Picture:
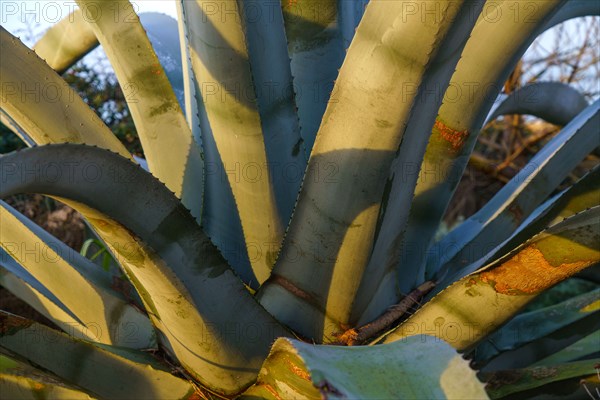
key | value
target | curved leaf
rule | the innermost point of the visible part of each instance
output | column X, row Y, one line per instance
column 475, row 85
column 478, row 304
column 66, row 42
column 158, row 119
column 574, row 9
column 531, row 353
column 509, row 207
column 91, row 306
column 420, row 367
column 72, row 38
column 555, row 102
column 504, row 383
column 104, row 371
column 187, row 287
column 22, row 381
column 583, row 348
column 582, row 195
column 343, row 197
column 43, row 105
column 534, row 334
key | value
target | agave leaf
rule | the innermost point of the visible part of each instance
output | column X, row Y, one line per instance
column 330, row 238
column 573, row 9
column 591, row 275
column 418, row 367
column 163, row 34
column 158, row 118
column 72, row 38
column 555, row 102
column 188, row 289
column 582, row 195
column 537, row 333
column 91, row 306
column 22, row 284
column 43, row 105
column 583, row 348
column 234, row 139
column 103, row 371
column 478, row 304
column 316, row 50
column 318, row 34
column 532, row 381
column 478, row 78
column 66, row 42
column 382, row 267
column 499, row 218
column 283, row 376
column 349, row 15
column 272, row 77
column 554, row 342
column 19, row 380
column 220, row 217
column 99, row 253
column 7, row 121
column 189, row 84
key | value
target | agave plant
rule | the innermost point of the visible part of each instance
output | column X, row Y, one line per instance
column 299, row 157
